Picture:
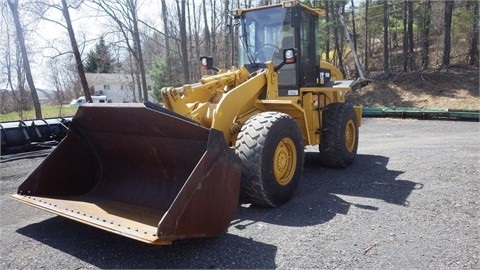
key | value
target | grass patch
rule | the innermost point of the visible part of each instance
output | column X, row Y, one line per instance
column 48, row 111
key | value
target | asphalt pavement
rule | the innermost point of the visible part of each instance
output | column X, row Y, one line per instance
column 410, row 201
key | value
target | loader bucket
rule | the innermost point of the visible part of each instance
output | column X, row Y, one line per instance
column 140, row 171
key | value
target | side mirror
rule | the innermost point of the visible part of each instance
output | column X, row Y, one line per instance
column 206, row 62
column 290, row 56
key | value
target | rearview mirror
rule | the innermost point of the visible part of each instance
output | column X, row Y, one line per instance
column 206, row 62
column 290, row 56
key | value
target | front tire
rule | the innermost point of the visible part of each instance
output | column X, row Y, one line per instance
column 271, row 149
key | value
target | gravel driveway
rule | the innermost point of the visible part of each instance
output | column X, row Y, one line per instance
column 411, row 200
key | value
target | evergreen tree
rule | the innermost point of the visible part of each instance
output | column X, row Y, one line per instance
column 158, row 73
column 99, row 59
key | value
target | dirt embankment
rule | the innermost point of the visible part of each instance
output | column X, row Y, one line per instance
column 452, row 88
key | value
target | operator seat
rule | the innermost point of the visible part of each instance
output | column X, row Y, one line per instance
column 287, row 42
column 286, row 75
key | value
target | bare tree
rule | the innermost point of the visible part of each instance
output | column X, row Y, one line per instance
column 366, row 55
column 447, row 43
column 196, row 29
column 76, row 52
column 13, row 4
column 327, row 20
column 473, row 55
column 183, row 38
column 213, row 24
column 385, row 38
column 208, row 38
column 64, row 7
column 337, row 34
column 354, row 28
column 60, row 75
column 411, row 56
column 425, row 32
column 226, row 41
column 125, row 14
column 11, row 66
column 168, row 59
column 407, row 45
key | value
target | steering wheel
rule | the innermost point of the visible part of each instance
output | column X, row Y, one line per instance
column 273, row 46
column 267, row 49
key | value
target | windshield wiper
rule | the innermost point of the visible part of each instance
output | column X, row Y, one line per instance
column 244, row 39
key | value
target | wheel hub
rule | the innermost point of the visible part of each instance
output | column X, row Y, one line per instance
column 285, row 161
column 350, row 136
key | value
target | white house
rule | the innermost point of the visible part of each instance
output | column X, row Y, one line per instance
column 117, row 87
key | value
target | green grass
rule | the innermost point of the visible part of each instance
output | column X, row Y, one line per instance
column 48, row 111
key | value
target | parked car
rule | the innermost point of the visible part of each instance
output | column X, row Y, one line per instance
column 96, row 99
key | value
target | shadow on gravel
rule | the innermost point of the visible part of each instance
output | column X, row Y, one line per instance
column 110, row 251
column 316, row 200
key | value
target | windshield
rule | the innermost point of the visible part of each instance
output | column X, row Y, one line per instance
column 264, row 35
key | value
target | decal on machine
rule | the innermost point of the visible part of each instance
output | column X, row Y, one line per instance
column 293, row 92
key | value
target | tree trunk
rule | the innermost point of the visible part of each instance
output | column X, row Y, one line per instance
column 366, row 35
column 425, row 36
column 193, row 73
column 327, row 21
column 13, row 4
column 208, row 39
column 385, row 38
column 183, row 39
column 136, row 39
column 76, row 52
column 133, row 74
column 168, row 58
column 226, row 42
column 473, row 55
column 411, row 56
column 358, row 67
column 213, row 24
column 196, row 33
column 447, row 45
column 354, row 34
column 354, row 27
column 405, row 37
column 136, row 72
column 336, row 38
column 23, row 103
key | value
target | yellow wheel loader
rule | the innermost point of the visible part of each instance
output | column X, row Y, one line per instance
column 159, row 174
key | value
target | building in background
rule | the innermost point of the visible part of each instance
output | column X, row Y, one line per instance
column 117, row 87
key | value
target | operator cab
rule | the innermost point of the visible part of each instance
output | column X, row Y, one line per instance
column 265, row 33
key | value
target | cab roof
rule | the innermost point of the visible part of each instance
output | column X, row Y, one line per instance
column 285, row 4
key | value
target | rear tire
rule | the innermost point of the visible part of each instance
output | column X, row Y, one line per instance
column 271, row 149
column 339, row 142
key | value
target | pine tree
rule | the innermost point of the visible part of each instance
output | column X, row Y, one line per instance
column 99, row 59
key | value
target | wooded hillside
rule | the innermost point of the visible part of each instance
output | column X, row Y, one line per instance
column 164, row 40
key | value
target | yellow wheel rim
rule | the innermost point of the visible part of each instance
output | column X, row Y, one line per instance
column 350, row 136
column 284, row 161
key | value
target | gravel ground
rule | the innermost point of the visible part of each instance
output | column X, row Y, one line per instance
column 410, row 201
